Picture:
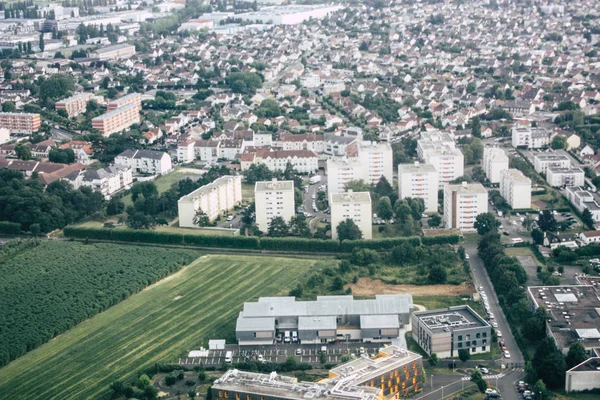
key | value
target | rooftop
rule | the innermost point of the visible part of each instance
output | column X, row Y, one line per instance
column 451, row 318
column 416, row 167
column 267, row 186
column 350, row 197
column 551, row 157
column 517, row 175
column 591, row 364
column 114, row 112
column 214, row 185
column 467, row 188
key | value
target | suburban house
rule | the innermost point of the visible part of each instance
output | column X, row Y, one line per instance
column 145, row 161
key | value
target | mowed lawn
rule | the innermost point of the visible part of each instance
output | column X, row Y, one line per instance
column 157, row 325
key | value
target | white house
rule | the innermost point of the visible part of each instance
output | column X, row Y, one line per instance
column 109, row 180
column 145, row 161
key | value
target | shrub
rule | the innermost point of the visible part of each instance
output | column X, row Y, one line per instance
column 12, row 228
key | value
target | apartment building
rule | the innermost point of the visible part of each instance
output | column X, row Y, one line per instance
column 273, row 199
column 438, row 149
column 303, row 161
column 515, row 188
column 377, row 160
column 109, row 180
column 217, row 197
column 557, row 177
column 185, row 149
column 207, row 150
column 419, row 181
column 340, row 171
column 447, row 331
column 117, row 120
column 133, row 98
column 494, row 162
column 145, row 161
column 118, row 51
column 462, row 204
column 583, row 199
column 542, row 161
column 26, row 123
column 351, row 205
column 74, row 105
column 530, row 138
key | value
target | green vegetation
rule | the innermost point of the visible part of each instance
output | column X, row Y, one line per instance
column 156, row 325
column 50, row 287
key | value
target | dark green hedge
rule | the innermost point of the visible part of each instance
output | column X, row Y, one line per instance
column 445, row 239
column 348, row 246
column 13, row 228
column 232, row 242
column 300, row 244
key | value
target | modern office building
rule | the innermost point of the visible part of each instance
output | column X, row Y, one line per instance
column 584, row 376
column 419, row 181
column 340, row 171
column 515, row 188
column 75, row 104
column 327, row 319
column 462, row 204
column 494, row 162
column 117, row 120
column 446, row 331
column 26, row 123
column 393, row 373
column 118, row 51
column 351, row 205
column 543, row 161
column 573, row 176
column 273, row 199
column 217, row 197
column 133, row 98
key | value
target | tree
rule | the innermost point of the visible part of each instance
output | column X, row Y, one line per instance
column 434, row 221
column 112, row 93
column 201, row 219
column 587, row 219
column 8, row 106
column 464, row 355
column 547, row 221
column 537, row 236
column 364, row 46
column 540, row 389
column 298, row 197
column 559, row 142
column 433, row 360
column 478, row 174
column 576, row 355
column 115, row 206
column 476, row 377
column 476, row 127
column 35, row 229
column 337, row 284
column 348, row 230
column 23, row 152
column 55, row 87
column 278, row 228
column 528, row 222
column 384, row 208
column 298, row 226
column 143, row 382
column 437, row 274
column 549, row 363
column 383, row 187
column 486, row 222
column 41, row 43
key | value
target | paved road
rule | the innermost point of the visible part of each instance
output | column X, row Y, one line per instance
column 442, row 386
column 481, row 278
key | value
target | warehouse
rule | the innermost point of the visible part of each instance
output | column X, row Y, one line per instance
column 327, row 319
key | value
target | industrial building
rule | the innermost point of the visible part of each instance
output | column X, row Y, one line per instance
column 351, row 205
column 393, row 373
column 118, row 51
column 446, row 331
column 273, row 199
column 419, row 181
column 221, row 195
column 288, row 15
column 327, row 319
column 494, row 162
column 573, row 313
column 515, row 188
column 462, row 204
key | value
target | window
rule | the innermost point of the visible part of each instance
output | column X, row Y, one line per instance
column 468, row 344
column 460, row 345
column 248, row 397
column 226, row 395
column 478, row 335
column 460, row 338
column 483, row 348
column 484, row 334
column 237, row 396
column 221, row 394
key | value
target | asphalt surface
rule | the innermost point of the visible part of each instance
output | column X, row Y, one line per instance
column 481, row 278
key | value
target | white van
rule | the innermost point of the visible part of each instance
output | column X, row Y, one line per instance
column 517, row 240
column 228, row 357
column 286, row 337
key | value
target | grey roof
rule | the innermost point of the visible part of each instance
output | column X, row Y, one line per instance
column 267, row 186
column 127, row 153
column 379, row 322
column 321, row 323
column 415, row 167
column 255, row 324
column 339, row 139
column 116, row 111
column 353, row 197
column 155, row 155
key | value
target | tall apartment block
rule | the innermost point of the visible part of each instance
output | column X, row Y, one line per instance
column 494, row 162
column 74, row 105
column 462, row 204
column 515, row 188
column 438, row 149
column 355, row 206
column 340, row 171
column 419, row 181
column 273, row 199
column 377, row 161
column 20, row 122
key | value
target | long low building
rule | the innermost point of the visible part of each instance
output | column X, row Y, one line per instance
column 572, row 176
column 20, row 122
column 118, row 51
column 329, row 318
column 395, row 372
column 117, row 120
column 584, row 376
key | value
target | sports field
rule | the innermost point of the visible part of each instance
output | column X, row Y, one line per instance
column 159, row 324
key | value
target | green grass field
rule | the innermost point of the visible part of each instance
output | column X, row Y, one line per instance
column 157, row 325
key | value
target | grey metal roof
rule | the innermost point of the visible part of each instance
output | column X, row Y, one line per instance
column 311, row 323
column 255, row 324
column 379, row 322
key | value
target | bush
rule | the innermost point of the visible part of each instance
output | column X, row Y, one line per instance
column 299, row 244
column 443, row 239
column 12, row 228
column 348, row 246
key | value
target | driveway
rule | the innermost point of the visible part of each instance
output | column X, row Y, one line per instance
column 481, row 278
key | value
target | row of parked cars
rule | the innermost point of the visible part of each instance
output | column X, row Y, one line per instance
column 491, row 318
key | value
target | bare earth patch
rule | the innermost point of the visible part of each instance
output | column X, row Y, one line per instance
column 177, row 297
column 371, row 287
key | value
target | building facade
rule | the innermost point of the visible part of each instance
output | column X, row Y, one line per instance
column 542, row 161
column 26, row 123
column 557, row 177
column 145, row 161
column 439, row 149
column 419, row 181
column 494, row 162
column 584, row 376
column 530, row 138
column 462, row 204
column 515, row 188
column 340, row 171
column 118, row 51
column 377, row 160
column 273, row 199
column 74, row 105
column 133, row 98
column 217, row 197
column 447, row 331
column 583, row 199
column 109, row 180
column 117, row 120
column 351, row 205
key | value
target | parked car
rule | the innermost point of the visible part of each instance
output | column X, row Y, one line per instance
column 498, row 333
column 298, row 352
column 506, row 354
column 230, row 218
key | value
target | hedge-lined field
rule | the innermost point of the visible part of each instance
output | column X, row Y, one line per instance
column 251, row 242
column 158, row 324
column 50, row 286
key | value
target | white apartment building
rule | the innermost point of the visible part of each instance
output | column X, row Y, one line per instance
column 273, row 199
column 340, row 171
column 515, row 188
column 438, row 149
column 583, row 199
column 221, row 195
column 4, row 135
column 494, row 162
column 304, row 161
column 419, row 181
column 108, row 181
column 530, row 138
column 355, row 206
column 462, row 204
column 542, row 161
column 185, row 149
column 75, row 104
column 145, row 161
column 557, row 177
column 377, row 160
column 207, row 150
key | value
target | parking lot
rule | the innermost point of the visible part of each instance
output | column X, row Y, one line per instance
column 304, row 353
